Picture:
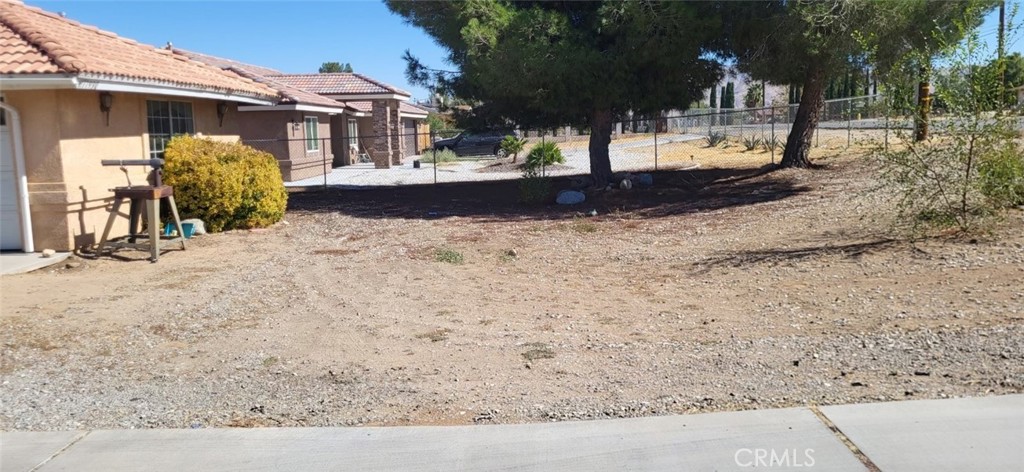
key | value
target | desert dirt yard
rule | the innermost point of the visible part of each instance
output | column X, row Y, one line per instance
column 714, row 290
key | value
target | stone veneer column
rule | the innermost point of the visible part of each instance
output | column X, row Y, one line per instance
column 381, row 153
column 397, row 143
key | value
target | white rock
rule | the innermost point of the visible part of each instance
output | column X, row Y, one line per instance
column 49, row 252
column 570, row 197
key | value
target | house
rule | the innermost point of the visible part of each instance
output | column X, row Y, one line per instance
column 353, row 115
column 73, row 95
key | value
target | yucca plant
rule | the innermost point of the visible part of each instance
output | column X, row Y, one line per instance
column 751, row 142
column 714, row 139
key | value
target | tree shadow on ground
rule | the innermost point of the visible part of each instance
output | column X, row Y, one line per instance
column 674, row 193
column 785, row 255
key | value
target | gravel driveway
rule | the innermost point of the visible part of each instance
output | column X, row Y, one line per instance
column 733, row 292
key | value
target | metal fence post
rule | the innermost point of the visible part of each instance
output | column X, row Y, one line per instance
column 656, row 145
column 887, row 112
column 544, row 157
column 323, row 157
column 433, row 150
column 772, row 143
column 849, row 123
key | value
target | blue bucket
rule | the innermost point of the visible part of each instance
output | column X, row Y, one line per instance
column 188, row 228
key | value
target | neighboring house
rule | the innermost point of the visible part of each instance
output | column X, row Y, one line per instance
column 359, row 117
column 74, row 95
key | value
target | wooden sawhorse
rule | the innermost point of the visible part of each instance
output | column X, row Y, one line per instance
column 138, row 196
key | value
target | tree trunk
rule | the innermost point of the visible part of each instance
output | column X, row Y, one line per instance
column 798, row 145
column 924, row 105
column 600, row 137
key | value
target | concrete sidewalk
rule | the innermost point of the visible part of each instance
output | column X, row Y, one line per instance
column 961, row 434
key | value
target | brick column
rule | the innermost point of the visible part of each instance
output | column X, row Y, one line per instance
column 382, row 150
column 397, row 143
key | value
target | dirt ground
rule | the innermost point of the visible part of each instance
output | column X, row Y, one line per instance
column 453, row 304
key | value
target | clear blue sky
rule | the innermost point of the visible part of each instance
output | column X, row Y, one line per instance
column 296, row 36
column 288, row 36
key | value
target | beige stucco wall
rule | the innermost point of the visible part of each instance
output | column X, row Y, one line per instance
column 283, row 134
column 66, row 136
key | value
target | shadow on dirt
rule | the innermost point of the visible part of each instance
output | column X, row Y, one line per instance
column 674, row 193
column 776, row 256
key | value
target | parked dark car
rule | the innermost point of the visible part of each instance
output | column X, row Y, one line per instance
column 475, row 143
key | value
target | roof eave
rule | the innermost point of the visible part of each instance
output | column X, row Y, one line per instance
column 111, row 84
column 105, row 84
column 294, row 107
column 366, row 96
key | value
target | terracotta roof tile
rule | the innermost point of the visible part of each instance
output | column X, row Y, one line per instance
column 364, row 106
column 33, row 41
column 287, row 93
column 338, row 83
column 406, row 107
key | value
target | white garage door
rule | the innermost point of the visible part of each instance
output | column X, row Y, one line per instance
column 10, row 226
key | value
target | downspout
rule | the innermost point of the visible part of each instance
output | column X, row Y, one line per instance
column 19, row 163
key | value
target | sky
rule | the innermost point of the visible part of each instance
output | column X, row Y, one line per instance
column 298, row 36
column 292, row 37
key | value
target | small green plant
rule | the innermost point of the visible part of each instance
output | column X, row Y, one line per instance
column 512, row 146
column 448, row 255
column 534, row 189
column 544, row 154
column 714, row 139
column 751, row 142
column 773, row 143
column 440, row 157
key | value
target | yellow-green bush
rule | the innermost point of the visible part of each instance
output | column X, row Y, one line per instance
column 227, row 185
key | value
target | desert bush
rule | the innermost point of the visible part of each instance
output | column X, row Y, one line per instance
column 970, row 167
column 512, row 146
column 544, row 154
column 227, row 185
column 714, row 139
column 1001, row 175
column 751, row 142
column 534, row 189
column 440, row 157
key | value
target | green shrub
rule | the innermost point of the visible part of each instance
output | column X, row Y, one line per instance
column 441, row 157
column 227, row 185
column 545, row 154
column 1001, row 174
column 714, row 139
column 750, row 143
column 450, row 256
column 534, row 189
column 512, row 146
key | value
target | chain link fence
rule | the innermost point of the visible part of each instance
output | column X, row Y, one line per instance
column 698, row 138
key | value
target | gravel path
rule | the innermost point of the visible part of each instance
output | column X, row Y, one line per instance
column 754, row 293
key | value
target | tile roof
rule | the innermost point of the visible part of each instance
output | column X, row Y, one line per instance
column 366, row 106
column 338, row 83
column 33, row 41
column 406, row 107
column 286, row 93
column 222, row 62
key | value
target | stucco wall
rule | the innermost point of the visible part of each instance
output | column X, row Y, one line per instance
column 283, row 134
column 66, row 136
